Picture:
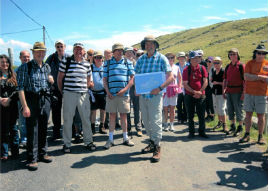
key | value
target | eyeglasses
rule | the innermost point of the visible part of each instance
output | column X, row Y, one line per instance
column 59, row 46
column 98, row 57
column 216, row 62
column 261, row 53
column 232, row 54
column 90, row 54
column 170, row 58
column 209, row 61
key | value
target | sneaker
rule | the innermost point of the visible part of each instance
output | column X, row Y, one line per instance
column 238, row 131
column 93, row 128
column 66, row 149
column 32, row 166
column 261, row 140
column 108, row 144
column 4, row 158
column 91, row 146
column 46, row 159
column 149, row 148
column 165, row 126
column 156, row 154
column 128, row 143
column 245, row 138
column 139, row 133
column 171, row 128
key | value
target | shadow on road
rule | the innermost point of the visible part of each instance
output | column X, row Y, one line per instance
column 116, row 159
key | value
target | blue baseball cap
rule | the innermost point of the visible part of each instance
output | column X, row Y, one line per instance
column 193, row 54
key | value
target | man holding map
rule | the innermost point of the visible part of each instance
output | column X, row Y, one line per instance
column 151, row 103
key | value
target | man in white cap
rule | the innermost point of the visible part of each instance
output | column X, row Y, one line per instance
column 151, row 104
column 56, row 100
column 76, row 72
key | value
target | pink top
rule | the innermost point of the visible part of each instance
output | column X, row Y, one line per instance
column 173, row 88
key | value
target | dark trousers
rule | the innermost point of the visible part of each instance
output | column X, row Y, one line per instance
column 136, row 107
column 56, row 112
column 192, row 103
column 181, row 108
column 36, row 126
column 9, row 130
column 209, row 101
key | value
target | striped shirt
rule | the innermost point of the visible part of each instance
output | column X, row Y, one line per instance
column 75, row 79
column 156, row 63
column 118, row 74
column 37, row 81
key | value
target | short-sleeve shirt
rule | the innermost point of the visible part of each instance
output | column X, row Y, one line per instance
column 156, row 63
column 75, row 79
column 258, row 88
column 97, row 75
column 196, row 77
column 233, row 78
column 118, row 74
column 35, row 80
column 217, row 89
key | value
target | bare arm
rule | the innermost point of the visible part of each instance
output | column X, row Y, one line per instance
column 26, row 111
column 90, row 84
column 130, row 83
column 105, row 84
column 60, row 78
column 179, row 79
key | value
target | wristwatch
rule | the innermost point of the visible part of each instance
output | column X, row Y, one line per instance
column 160, row 88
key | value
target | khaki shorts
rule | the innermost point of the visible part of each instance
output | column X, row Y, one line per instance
column 119, row 104
column 253, row 103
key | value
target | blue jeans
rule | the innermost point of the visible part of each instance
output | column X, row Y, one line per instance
column 22, row 125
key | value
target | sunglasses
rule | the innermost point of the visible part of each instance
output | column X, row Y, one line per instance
column 170, row 58
column 232, row 54
column 98, row 57
column 261, row 53
column 216, row 62
column 90, row 54
column 59, row 46
column 209, row 61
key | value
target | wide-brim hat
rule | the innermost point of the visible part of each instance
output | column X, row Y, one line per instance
column 39, row 46
column 149, row 38
column 98, row 53
column 261, row 48
column 117, row 46
column 181, row 54
column 217, row 59
column 170, row 53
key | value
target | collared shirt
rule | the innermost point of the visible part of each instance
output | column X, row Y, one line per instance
column 37, row 80
column 76, row 76
column 97, row 75
column 54, row 63
column 156, row 63
column 118, row 74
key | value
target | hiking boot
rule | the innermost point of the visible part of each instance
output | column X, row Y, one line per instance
column 232, row 129
column 32, row 166
column 149, row 148
column 139, row 133
column 261, row 140
column 91, row 146
column 93, row 128
column 46, row 159
column 156, row 154
column 128, row 143
column 238, row 131
column 66, row 149
column 217, row 126
column 108, row 144
column 245, row 138
column 102, row 129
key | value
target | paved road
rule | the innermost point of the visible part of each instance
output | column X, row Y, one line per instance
column 218, row 163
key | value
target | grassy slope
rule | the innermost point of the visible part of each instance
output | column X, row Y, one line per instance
column 217, row 39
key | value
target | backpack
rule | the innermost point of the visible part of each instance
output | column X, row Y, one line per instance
column 189, row 74
column 240, row 70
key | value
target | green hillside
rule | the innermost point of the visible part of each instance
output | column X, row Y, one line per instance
column 217, row 39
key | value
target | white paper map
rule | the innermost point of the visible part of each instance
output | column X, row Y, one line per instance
column 145, row 83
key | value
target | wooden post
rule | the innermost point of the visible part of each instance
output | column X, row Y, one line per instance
column 11, row 56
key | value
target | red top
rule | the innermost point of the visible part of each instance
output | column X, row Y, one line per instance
column 195, row 77
column 233, row 78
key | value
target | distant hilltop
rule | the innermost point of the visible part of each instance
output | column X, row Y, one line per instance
column 217, row 39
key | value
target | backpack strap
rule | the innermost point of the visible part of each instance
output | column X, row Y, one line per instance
column 189, row 73
column 29, row 67
column 241, row 70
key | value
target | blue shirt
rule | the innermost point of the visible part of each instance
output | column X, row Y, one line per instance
column 97, row 74
column 37, row 80
column 118, row 74
column 156, row 63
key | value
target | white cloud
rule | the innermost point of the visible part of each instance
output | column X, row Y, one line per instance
column 231, row 14
column 206, row 18
column 240, row 11
column 264, row 9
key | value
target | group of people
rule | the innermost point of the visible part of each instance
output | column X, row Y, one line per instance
column 87, row 81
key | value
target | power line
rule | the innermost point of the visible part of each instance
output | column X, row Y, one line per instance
column 20, row 31
column 49, row 37
column 25, row 13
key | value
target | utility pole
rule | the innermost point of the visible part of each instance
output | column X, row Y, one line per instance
column 44, row 33
column 11, row 55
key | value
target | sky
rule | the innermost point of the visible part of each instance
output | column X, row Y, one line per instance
column 98, row 24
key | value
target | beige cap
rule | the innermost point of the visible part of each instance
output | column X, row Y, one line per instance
column 117, row 46
column 39, row 46
column 180, row 54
